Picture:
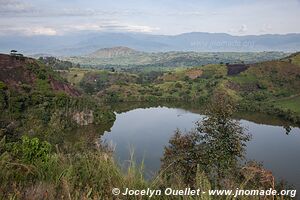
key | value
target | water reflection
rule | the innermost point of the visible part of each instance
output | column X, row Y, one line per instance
column 148, row 130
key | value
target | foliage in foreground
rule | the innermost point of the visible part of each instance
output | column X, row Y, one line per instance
column 215, row 148
column 31, row 169
column 206, row 159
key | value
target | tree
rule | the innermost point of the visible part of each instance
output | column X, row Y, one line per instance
column 181, row 157
column 13, row 52
column 215, row 146
column 223, row 139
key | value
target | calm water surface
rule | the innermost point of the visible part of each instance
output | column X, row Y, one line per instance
column 147, row 130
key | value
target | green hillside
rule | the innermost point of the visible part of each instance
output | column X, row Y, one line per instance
column 125, row 58
column 41, row 107
column 36, row 99
column 268, row 86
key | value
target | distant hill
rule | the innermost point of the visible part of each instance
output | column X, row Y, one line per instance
column 113, row 52
column 129, row 58
column 84, row 43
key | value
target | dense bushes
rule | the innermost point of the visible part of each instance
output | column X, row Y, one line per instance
column 33, row 169
column 28, row 164
column 268, row 108
column 46, row 112
column 215, row 146
column 55, row 63
column 3, row 96
column 30, row 150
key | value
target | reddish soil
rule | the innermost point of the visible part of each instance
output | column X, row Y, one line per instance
column 235, row 69
column 60, row 86
column 14, row 72
column 245, row 87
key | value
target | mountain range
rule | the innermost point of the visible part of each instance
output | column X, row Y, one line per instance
column 86, row 42
column 131, row 58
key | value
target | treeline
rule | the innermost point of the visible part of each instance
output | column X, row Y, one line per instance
column 47, row 113
column 57, row 64
column 36, row 99
column 266, row 107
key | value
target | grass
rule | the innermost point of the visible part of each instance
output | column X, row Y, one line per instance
column 75, row 75
column 244, row 78
column 296, row 60
column 82, row 175
column 89, row 174
column 292, row 104
column 214, row 71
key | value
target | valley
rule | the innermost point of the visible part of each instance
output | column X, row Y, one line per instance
column 86, row 112
column 124, row 58
column 139, row 100
column 269, row 86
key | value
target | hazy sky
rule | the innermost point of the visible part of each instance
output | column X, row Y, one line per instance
column 236, row 17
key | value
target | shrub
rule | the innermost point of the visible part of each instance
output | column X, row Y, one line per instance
column 31, row 150
column 178, row 85
column 2, row 86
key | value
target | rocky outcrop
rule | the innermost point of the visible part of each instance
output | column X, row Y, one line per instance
column 84, row 118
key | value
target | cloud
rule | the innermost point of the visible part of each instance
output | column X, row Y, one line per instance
column 171, row 16
column 13, row 7
column 41, row 31
column 110, row 26
column 240, row 30
column 138, row 28
column 266, row 28
column 195, row 13
column 243, row 29
column 92, row 12
column 27, row 31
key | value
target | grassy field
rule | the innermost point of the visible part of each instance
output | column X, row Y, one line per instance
column 75, row 75
column 292, row 104
column 294, row 58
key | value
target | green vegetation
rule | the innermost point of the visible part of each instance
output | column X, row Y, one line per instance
column 38, row 100
column 260, row 86
column 130, row 59
column 214, row 148
column 31, row 168
column 46, row 113
column 211, row 154
column 294, row 59
column 96, row 81
column 291, row 104
column 45, row 105
column 57, row 64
